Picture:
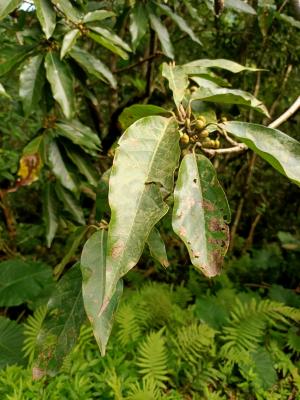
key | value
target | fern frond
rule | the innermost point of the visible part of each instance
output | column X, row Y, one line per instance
column 128, row 325
column 147, row 390
column 191, row 341
column 32, row 331
column 293, row 340
column 152, row 359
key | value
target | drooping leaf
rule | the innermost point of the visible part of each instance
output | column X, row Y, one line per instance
column 274, row 146
column 93, row 65
column 12, row 56
column 162, row 34
column 21, row 281
column 73, row 242
column 7, row 6
column 178, row 81
column 142, row 175
column 138, row 24
column 61, row 83
column 79, row 134
column 59, row 168
column 50, row 210
column 108, row 44
column 66, row 7
column 240, row 6
column 83, row 165
column 69, row 41
column 229, row 96
column 32, row 79
column 62, row 325
column 70, row 203
column 98, row 15
column 197, row 66
column 29, row 168
column 290, row 20
column 93, row 267
column 46, row 15
column 11, row 342
column 182, row 24
column 200, row 214
column 131, row 114
column 157, row 247
column 3, row 92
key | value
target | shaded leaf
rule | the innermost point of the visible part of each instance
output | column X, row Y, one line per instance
column 11, row 342
column 178, row 81
column 21, row 281
column 133, row 113
column 93, row 267
column 68, row 42
column 61, row 83
column 182, row 24
column 70, row 203
column 3, row 92
column 108, row 44
column 274, row 146
column 102, row 206
column 240, row 6
column 136, row 198
column 138, row 24
column 83, row 165
column 7, row 6
column 12, row 56
column 79, row 134
column 32, row 78
column 290, row 20
column 162, row 35
column 73, row 242
column 92, row 65
column 46, row 15
column 200, row 214
column 59, row 168
column 205, row 83
column 157, row 247
column 98, row 15
column 65, row 315
column 50, row 210
column 229, row 96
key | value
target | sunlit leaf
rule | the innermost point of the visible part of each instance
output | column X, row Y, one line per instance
column 197, row 66
column 7, row 6
column 138, row 24
column 157, row 247
column 98, row 15
column 178, row 81
column 93, row 267
column 66, row 7
column 46, row 15
column 201, row 214
column 162, row 34
column 240, row 6
column 131, row 114
column 277, row 148
column 69, row 41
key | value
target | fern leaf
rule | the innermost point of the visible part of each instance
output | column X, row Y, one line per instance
column 128, row 326
column 152, row 359
column 147, row 390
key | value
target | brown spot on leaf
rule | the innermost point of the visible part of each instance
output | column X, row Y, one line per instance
column 208, row 206
column 117, row 249
column 182, row 231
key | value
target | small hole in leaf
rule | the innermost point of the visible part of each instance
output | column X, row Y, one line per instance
column 195, row 180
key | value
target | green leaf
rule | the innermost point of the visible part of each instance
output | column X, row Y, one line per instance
column 229, row 96
column 178, row 81
column 83, row 165
column 138, row 24
column 162, row 35
column 21, row 281
column 70, row 203
column 93, row 269
column 240, row 6
column 197, row 66
column 274, row 146
column 61, row 328
column 46, row 15
column 149, row 149
column 32, row 79
column 11, row 342
column 66, row 7
column 108, row 44
column 112, row 37
column 157, row 247
column 3, row 92
column 12, row 56
column 50, row 210
column 59, row 168
column 7, row 6
column 205, row 83
column 102, row 206
column 73, row 242
column 182, row 24
column 61, row 83
column 98, row 15
column 290, row 20
column 79, row 134
column 200, row 214
column 131, row 114
column 68, row 42
column 93, row 66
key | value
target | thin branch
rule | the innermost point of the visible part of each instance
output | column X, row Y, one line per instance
column 138, row 63
column 212, row 152
column 286, row 115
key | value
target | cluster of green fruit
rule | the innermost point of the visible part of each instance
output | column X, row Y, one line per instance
column 196, row 131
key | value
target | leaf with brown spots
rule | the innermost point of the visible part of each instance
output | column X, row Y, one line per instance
column 201, row 214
